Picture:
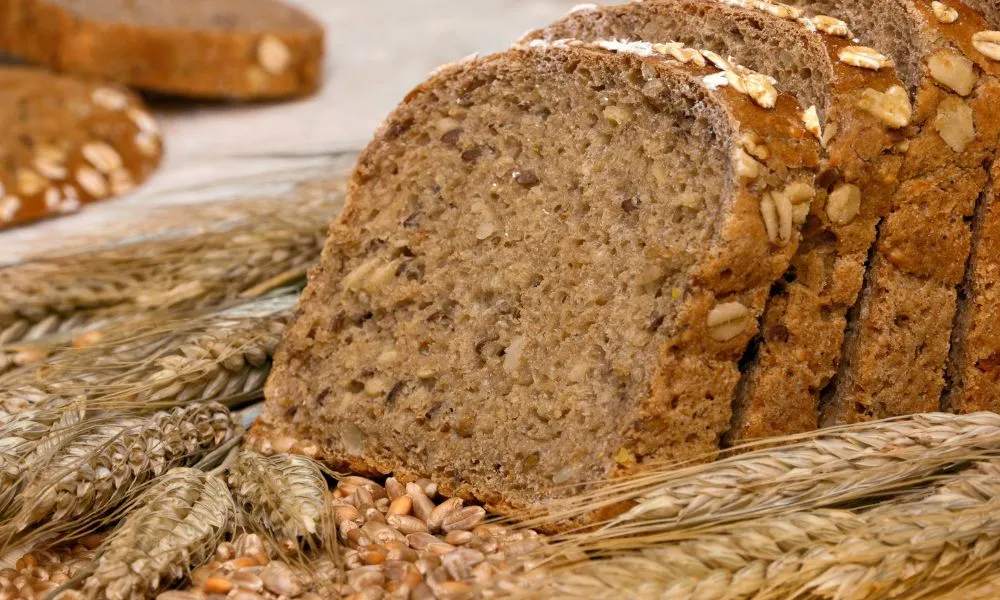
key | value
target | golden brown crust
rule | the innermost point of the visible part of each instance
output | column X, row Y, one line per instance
column 279, row 55
column 69, row 142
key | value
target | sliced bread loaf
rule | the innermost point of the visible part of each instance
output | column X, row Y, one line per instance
column 803, row 327
column 550, row 262
column 202, row 48
column 898, row 344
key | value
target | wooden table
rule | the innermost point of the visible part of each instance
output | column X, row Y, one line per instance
column 376, row 51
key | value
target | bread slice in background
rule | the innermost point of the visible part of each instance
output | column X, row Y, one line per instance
column 898, row 344
column 550, row 262
column 803, row 328
column 68, row 141
column 245, row 49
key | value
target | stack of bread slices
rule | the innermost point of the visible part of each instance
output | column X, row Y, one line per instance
column 651, row 230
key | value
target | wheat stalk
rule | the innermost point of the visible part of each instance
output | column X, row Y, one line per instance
column 223, row 356
column 107, row 462
column 909, row 548
column 824, row 468
column 46, row 300
column 172, row 526
column 284, row 496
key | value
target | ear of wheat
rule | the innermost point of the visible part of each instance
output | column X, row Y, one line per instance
column 284, row 496
column 175, row 524
column 823, row 468
column 222, row 356
column 106, row 463
column 45, row 301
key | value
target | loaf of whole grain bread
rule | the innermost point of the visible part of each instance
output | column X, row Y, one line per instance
column 550, row 263
column 203, row 48
column 898, row 341
column 859, row 114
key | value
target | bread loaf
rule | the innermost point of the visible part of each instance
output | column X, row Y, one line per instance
column 203, row 48
column 898, row 343
column 67, row 142
column 803, row 328
column 550, row 262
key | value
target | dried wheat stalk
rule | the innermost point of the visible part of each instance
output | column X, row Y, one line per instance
column 825, row 468
column 224, row 356
column 46, row 300
column 284, row 496
column 107, row 462
column 910, row 548
column 174, row 525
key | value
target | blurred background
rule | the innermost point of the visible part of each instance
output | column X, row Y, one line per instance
column 377, row 50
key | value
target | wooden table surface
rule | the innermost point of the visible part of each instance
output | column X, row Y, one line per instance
column 376, row 51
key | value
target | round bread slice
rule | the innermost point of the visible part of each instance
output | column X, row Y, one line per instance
column 243, row 49
column 898, row 345
column 803, row 328
column 549, row 264
column 66, row 142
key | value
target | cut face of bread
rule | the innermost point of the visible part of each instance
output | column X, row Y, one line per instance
column 200, row 48
column 803, row 327
column 550, row 261
column 898, row 344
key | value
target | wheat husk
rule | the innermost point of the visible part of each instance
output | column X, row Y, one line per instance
column 222, row 356
column 105, row 464
column 172, row 527
column 824, row 468
column 45, row 301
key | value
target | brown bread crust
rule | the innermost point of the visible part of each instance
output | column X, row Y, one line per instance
column 243, row 49
column 688, row 409
column 897, row 346
column 803, row 326
column 69, row 142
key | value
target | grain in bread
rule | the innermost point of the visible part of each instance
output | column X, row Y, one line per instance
column 245, row 49
column 803, row 326
column 550, row 263
column 898, row 342
column 67, row 142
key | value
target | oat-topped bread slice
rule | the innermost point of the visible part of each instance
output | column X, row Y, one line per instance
column 550, row 262
column 974, row 367
column 803, row 327
column 897, row 346
column 66, row 141
column 202, row 48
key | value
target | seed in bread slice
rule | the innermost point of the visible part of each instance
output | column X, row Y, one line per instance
column 550, row 263
column 897, row 345
column 803, row 327
column 67, row 142
column 243, row 49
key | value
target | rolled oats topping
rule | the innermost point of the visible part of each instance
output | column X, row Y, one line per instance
column 810, row 119
column 955, row 123
column 760, row 88
column 843, row 204
column 943, row 12
column 109, row 98
column 987, row 43
column 769, row 213
column 828, row 25
column 680, row 52
column 953, row 71
column 273, row 55
column 9, row 205
column 727, row 321
column 863, row 57
column 746, row 166
column 891, row 106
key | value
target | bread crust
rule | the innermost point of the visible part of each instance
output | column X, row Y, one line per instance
column 205, row 59
column 69, row 142
column 740, row 268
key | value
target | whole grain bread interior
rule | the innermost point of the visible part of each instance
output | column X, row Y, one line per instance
column 550, row 263
column 898, row 342
column 803, row 330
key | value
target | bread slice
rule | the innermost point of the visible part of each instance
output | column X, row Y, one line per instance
column 202, row 48
column 803, row 328
column 897, row 347
column 66, row 142
column 549, row 264
column 974, row 367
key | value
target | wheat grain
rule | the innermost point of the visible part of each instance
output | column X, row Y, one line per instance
column 174, row 525
column 824, row 468
column 284, row 496
column 223, row 356
column 906, row 548
column 108, row 462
